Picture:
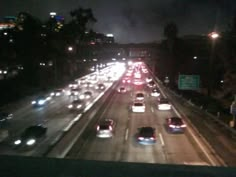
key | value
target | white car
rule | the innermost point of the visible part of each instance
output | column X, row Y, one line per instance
column 164, row 104
column 139, row 96
column 138, row 107
column 105, row 128
column 155, row 92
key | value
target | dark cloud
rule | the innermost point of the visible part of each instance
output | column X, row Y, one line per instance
column 137, row 20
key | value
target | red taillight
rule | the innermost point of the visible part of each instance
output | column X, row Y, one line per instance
column 98, row 128
column 110, row 127
column 152, row 138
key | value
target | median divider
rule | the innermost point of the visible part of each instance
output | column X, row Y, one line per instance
column 57, row 149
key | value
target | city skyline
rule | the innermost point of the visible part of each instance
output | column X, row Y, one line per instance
column 129, row 19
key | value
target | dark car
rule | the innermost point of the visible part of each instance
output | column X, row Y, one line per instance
column 4, row 116
column 86, row 95
column 122, row 89
column 151, row 84
column 146, row 135
column 41, row 101
column 58, row 92
column 76, row 105
column 30, row 136
column 175, row 125
column 100, row 87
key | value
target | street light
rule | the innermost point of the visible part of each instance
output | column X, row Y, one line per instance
column 70, row 48
column 213, row 37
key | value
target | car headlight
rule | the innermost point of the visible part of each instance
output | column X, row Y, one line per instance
column 33, row 102
column 31, row 142
column 48, row 98
column 41, row 102
column 81, row 96
column 52, row 94
column 79, row 106
column 76, row 93
column 17, row 142
column 70, row 106
column 58, row 94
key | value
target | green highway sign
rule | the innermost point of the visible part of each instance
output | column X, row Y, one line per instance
column 188, row 82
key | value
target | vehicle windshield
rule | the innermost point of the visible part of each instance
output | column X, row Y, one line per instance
column 138, row 104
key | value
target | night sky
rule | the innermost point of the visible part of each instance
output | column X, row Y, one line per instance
column 136, row 20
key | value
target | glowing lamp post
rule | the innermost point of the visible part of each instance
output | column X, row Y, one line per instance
column 213, row 36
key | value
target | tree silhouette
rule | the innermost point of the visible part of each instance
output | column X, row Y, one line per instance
column 76, row 28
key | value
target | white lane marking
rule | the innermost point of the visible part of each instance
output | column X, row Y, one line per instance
column 196, row 140
column 162, row 91
column 126, row 134
column 72, row 123
column 162, row 140
column 152, row 109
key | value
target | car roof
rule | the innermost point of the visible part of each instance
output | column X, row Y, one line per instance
column 176, row 119
column 148, row 131
column 138, row 102
column 106, row 121
column 77, row 101
column 139, row 93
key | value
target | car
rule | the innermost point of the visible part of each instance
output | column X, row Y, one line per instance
column 175, row 125
column 151, row 84
column 86, row 95
column 82, row 80
column 138, row 106
column 137, row 75
column 41, row 101
column 126, row 80
column 105, row 128
column 88, row 84
column 76, row 105
column 31, row 136
column 5, row 116
column 148, row 79
column 138, row 82
column 163, row 104
column 122, row 89
column 73, row 84
column 73, row 92
column 146, row 135
column 100, row 87
column 139, row 96
column 155, row 92
column 58, row 92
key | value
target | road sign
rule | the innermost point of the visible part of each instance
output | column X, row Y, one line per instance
column 188, row 82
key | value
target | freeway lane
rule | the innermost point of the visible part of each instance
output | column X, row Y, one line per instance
column 55, row 115
column 171, row 149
